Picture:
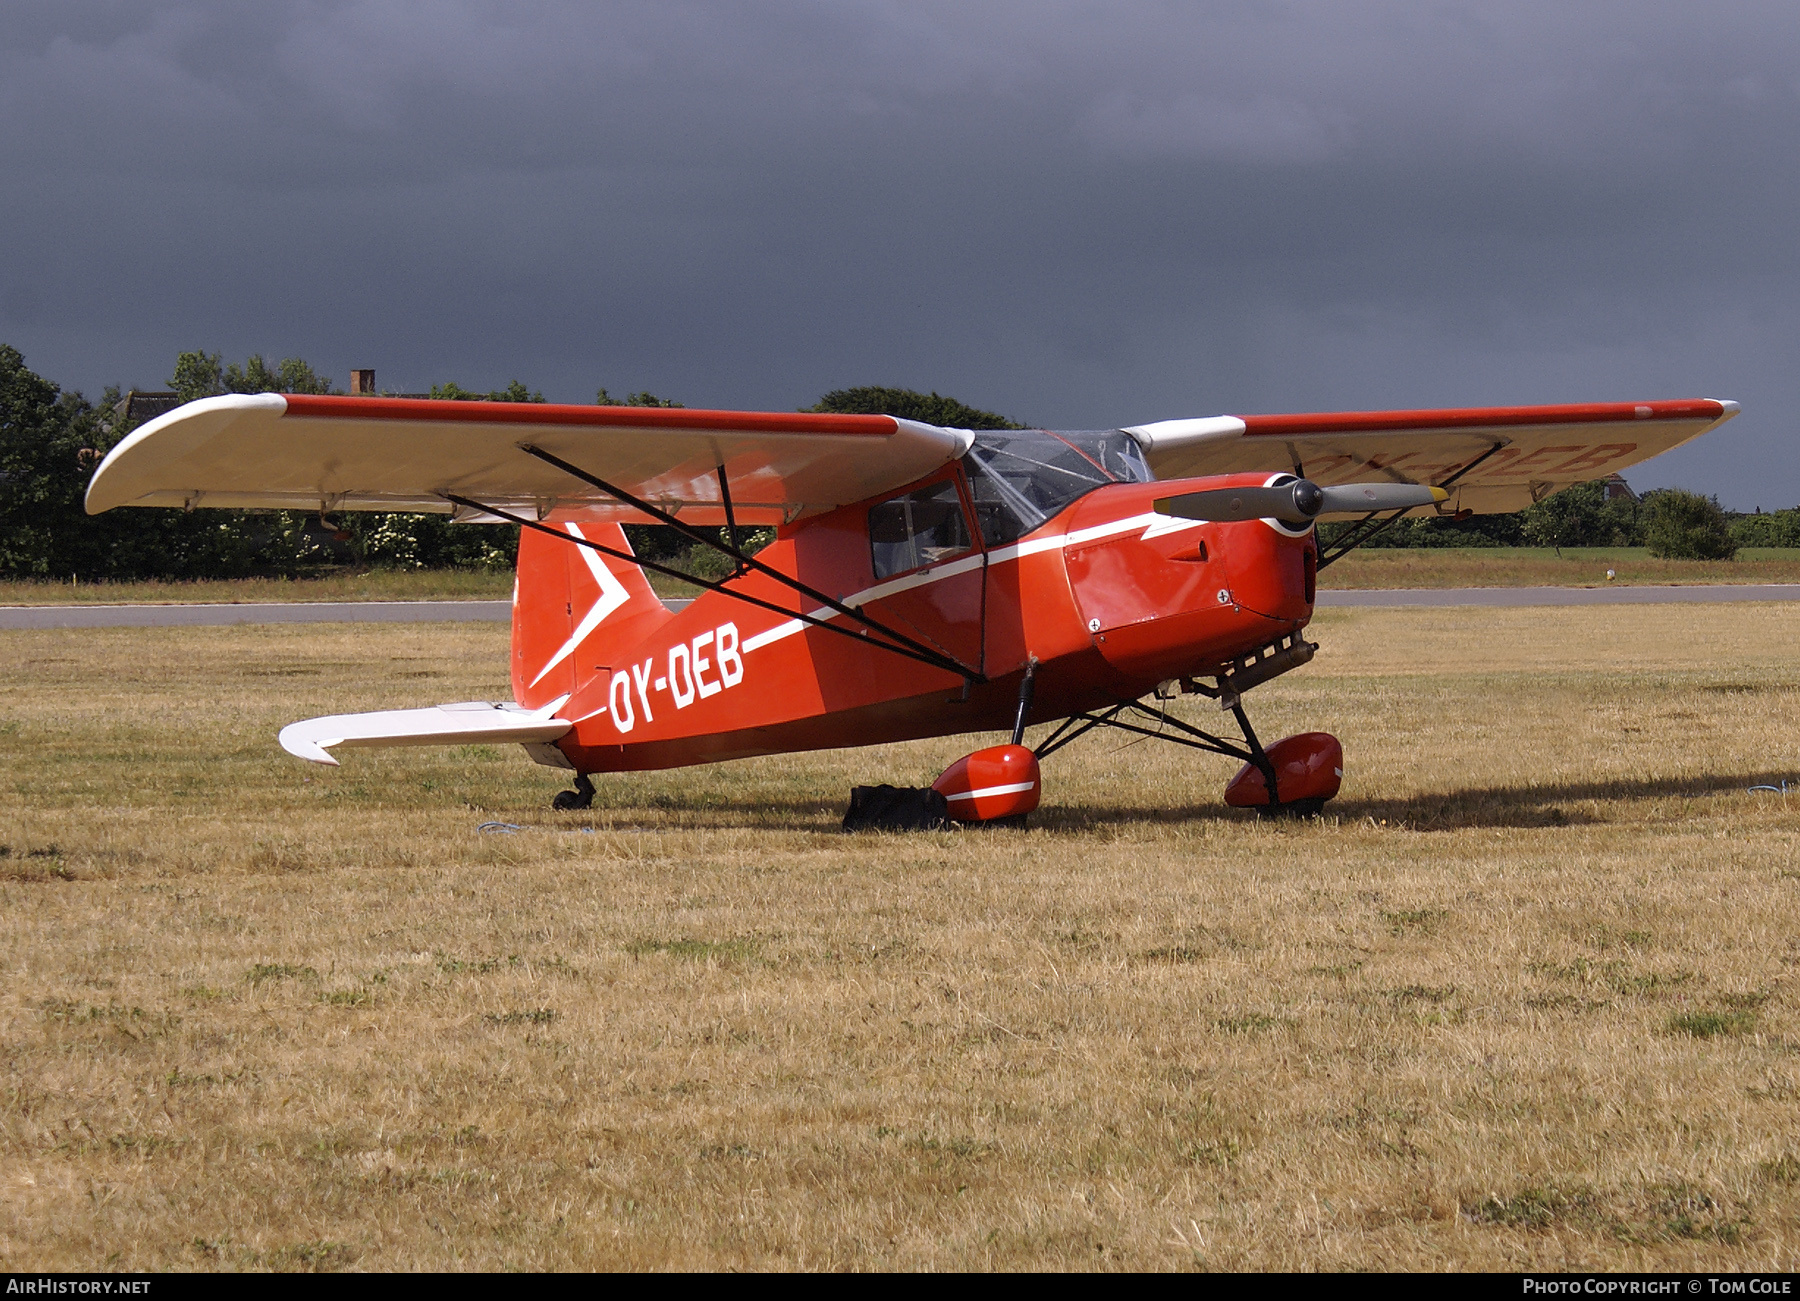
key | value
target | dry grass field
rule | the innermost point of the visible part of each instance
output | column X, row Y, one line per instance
column 1526, row 998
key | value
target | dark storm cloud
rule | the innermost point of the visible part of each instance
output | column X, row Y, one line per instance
column 1079, row 214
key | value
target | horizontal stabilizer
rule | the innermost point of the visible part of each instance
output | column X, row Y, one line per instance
column 461, row 724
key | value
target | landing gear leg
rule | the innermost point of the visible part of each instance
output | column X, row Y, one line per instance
column 582, row 797
column 1312, row 761
column 1026, row 688
column 1260, row 758
column 1309, row 807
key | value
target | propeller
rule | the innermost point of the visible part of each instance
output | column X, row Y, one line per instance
column 1298, row 501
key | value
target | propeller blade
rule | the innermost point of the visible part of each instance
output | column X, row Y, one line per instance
column 1295, row 501
column 1298, row 501
column 1365, row 497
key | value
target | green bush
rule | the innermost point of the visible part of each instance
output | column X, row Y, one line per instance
column 1778, row 528
column 1437, row 531
column 1578, row 516
column 1581, row 516
column 1681, row 525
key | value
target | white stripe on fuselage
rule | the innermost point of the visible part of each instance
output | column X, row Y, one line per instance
column 1153, row 524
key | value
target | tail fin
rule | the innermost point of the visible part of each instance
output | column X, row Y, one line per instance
column 566, row 595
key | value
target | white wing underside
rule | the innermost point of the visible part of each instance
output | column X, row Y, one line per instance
column 310, row 452
column 1496, row 459
column 469, row 723
column 315, row 453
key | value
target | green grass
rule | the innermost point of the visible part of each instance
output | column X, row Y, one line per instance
column 1428, row 567
column 371, row 585
column 1713, row 1025
column 695, row 950
column 1539, row 1206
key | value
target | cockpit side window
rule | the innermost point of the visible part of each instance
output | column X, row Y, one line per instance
column 920, row 528
column 1020, row 478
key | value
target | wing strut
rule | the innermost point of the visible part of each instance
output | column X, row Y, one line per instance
column 918, row 650
column 923, row 655
column 1251, row 752
column 730, row 516
column 1360, row 532
column 1078, row 725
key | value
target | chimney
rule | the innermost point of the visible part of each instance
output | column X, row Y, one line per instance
column 362, row 382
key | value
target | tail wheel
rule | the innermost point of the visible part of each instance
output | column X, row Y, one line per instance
column 582, row 797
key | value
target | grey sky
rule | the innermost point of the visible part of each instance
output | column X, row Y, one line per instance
column 1076, row 214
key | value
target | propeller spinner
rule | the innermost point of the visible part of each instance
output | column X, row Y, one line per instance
column 1298, row 501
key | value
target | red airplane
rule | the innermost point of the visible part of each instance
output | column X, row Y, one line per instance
column 922, row 581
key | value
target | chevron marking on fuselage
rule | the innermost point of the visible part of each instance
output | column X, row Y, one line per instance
column 612, row 596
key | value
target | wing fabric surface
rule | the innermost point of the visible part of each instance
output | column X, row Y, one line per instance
column 461, row 724
column 1508, row 457
column 305, row 452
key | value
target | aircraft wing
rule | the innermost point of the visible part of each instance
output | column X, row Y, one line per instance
column 305, row 452
column 1493, row 458
column 470, row 723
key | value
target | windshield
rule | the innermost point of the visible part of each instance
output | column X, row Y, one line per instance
column 1021, row 477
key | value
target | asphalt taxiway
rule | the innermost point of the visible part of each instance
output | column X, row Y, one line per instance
column 273, row 612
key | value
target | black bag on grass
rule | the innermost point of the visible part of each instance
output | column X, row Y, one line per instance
column 896, row 808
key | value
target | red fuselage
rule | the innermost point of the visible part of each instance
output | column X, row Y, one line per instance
column 1109, row 597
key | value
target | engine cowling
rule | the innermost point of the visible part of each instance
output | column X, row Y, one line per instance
column 1309, row 769
column 1001, row 781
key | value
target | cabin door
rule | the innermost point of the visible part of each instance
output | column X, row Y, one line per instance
column 928, row 568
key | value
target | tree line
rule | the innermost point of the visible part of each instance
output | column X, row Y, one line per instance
column 51, row 440
column 1671, row 522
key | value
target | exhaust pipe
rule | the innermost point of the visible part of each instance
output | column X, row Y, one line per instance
column 1258, row 667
